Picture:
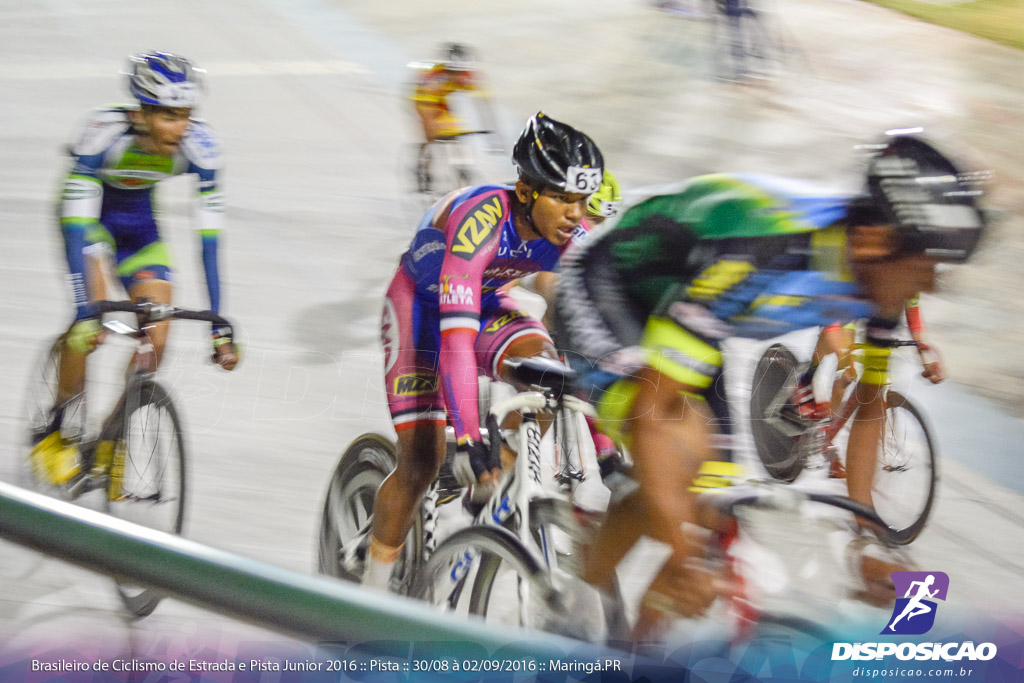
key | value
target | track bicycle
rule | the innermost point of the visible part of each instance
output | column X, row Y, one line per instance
column 518, row 558
column 438, row 167
column 138, row 457
column 903, row 490
column 520, row 547
column 791, row 529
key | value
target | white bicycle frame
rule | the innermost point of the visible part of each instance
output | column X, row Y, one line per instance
column 525, row 483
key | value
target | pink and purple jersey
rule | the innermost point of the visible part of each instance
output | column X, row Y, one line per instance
column 465, row 249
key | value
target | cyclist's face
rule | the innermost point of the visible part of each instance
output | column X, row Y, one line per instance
column 165, row 127
column 557, row 214
column 891, row 282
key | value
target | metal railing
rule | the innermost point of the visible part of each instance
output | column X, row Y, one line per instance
column 306, row 607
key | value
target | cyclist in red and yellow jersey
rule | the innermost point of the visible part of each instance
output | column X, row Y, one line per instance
column 457, row 72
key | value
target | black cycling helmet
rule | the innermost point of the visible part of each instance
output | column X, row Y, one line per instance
column 553, row 154
column 458, row 57
column 923, row 194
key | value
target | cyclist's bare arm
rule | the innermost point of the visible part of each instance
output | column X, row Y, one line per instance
column 933, row 368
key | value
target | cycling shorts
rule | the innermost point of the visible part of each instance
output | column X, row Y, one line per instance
column 143, row 259
column 411, row 336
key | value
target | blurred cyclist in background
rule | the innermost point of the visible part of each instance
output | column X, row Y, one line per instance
column 437, row 81
column 446, row 320
column 106, row 211
column 645, row 307
column 809, row 406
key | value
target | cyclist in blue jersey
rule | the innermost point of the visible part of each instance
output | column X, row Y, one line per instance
column 644, row 307
column 106, row 210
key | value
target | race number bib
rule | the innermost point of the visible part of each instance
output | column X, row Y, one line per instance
column 609, row 208
column 583, row 180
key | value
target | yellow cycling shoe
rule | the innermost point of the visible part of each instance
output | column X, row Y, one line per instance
column 103, row 457
column 54, row 460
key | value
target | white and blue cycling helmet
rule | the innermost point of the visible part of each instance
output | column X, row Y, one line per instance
column 163, row 79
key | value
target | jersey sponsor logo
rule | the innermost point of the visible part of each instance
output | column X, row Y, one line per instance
column 719, row 277
column 76, row 189
column 428, row 248
column 521, row 252
column 414, row 384
column 505, row 319
column 505, row 273
column 477, row 228
column 455, row 294
column 128, row 176
column 389, row 335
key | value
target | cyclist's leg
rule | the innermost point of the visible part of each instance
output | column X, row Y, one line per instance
column 667, row 428
column 417, row 409
column 509, row 332
column 867, row 429
column 147, row 274
column 71, row 368
column 52, row 452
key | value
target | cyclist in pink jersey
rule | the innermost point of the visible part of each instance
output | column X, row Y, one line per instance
column 445, row 320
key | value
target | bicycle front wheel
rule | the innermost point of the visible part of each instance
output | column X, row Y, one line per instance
column 504, row 591
column 147, row 480
column 906, row 474
column 462, row 574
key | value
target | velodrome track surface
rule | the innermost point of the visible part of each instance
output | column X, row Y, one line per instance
column 306, row 97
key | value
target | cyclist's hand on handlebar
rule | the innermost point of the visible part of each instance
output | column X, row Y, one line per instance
column 84, row 336
column 473, row 464
column 225, row 352
column 934, row 370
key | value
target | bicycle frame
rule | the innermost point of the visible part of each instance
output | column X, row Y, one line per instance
column 524, row 483
column 735, row 503
column 141, row 367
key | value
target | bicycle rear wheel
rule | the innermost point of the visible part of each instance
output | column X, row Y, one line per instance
column 906, row 473
column 40, row 399
column 147, row 481
column 781, row 454
column 348, row 512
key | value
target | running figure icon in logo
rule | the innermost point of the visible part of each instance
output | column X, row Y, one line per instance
column 916, row 588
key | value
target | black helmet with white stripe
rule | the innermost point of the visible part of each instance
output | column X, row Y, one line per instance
column 930, row 202
column 556, row 155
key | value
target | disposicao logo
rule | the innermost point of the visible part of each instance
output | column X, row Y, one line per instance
column 914, row 614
